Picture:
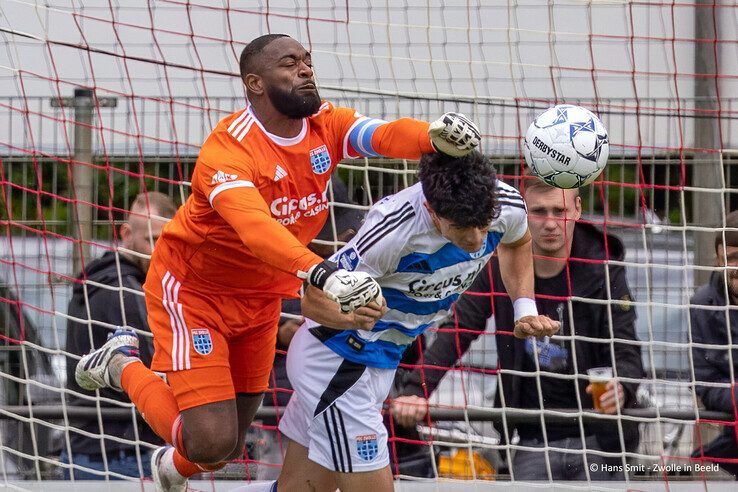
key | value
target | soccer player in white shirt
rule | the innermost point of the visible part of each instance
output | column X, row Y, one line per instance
column 424, row 246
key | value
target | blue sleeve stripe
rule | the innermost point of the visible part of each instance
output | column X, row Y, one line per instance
column 366, row 136
column 361, row 137
column 354, row 136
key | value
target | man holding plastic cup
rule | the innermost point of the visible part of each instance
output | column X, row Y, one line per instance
column 606, row 393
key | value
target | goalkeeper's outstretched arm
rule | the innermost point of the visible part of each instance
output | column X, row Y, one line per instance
column 453, row 134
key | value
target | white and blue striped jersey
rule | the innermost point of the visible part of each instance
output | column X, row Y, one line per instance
column 421, row 272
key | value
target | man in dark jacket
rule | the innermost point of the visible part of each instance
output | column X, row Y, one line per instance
column 718, row 327
column 564, row 270
column 107, row 295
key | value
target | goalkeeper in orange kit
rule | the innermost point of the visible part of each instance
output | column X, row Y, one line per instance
column 238, row 246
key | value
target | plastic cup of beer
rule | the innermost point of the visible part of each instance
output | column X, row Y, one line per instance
column 598, row 378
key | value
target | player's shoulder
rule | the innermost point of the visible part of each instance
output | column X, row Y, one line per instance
column 513, row 214
column 326, row 110
column 392, row 220
column 329, row 112
column 233, row 140
column 237, row 120
column 507, row 191
column 405, row 202
column 509, row 198
column 229, row 132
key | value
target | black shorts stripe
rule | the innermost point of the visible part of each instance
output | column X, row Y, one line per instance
column 338, row 439
column 330, row 439
column 512, row 204
column 381, row 229
column 402, row 219
column 323, row 333
column 346, row 376
column 345, row 440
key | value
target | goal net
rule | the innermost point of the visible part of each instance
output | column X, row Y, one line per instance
column 102, row 100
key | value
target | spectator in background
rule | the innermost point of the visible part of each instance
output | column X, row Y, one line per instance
column 718, row 327
column 563, row 251
column 105, row 298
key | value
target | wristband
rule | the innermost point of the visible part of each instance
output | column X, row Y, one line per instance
column 524, row 306
column 318, row 274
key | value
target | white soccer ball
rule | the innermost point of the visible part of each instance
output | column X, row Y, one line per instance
column 566, row 146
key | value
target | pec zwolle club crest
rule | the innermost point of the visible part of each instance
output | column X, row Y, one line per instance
column 201, row 341
column 320, row 159
column 366, row 447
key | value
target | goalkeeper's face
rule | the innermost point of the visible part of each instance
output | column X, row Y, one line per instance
column 289, row 79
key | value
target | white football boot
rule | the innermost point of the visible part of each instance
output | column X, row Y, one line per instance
column 94, row 369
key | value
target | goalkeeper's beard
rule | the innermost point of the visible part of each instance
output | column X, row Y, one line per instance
column 293, row 105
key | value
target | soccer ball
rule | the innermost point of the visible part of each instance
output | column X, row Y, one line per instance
column 566, row 146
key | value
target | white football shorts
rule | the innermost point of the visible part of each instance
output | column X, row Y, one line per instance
column 336, row 408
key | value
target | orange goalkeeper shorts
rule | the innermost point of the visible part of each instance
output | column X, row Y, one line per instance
column 210, row 346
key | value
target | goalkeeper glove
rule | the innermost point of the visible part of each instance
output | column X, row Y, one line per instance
column 351, row 290
column 454, row 134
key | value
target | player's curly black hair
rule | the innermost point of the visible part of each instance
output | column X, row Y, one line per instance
column 462, row 190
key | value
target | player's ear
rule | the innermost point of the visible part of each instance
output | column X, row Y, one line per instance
column 578, row 204
column 125, row 234
column 254, row 84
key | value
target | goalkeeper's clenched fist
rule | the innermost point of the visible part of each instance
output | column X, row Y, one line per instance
column 351, row 290
column 454, row 134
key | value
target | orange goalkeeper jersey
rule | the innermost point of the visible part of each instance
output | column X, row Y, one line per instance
column 258, row 199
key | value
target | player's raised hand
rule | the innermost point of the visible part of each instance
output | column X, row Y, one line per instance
column 454, row 134
column 351, row 290
column 536, row 326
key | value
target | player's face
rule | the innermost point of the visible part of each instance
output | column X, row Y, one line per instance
column 289, row 79
column 137, row 236
column 470, row 239
column 551, row 217
column 731, row 255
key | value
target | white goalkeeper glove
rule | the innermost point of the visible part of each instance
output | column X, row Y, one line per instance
column 454, row 134
column 351, row 290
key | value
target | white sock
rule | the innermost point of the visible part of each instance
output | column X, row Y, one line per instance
column 117, row 363
column 258, row 487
